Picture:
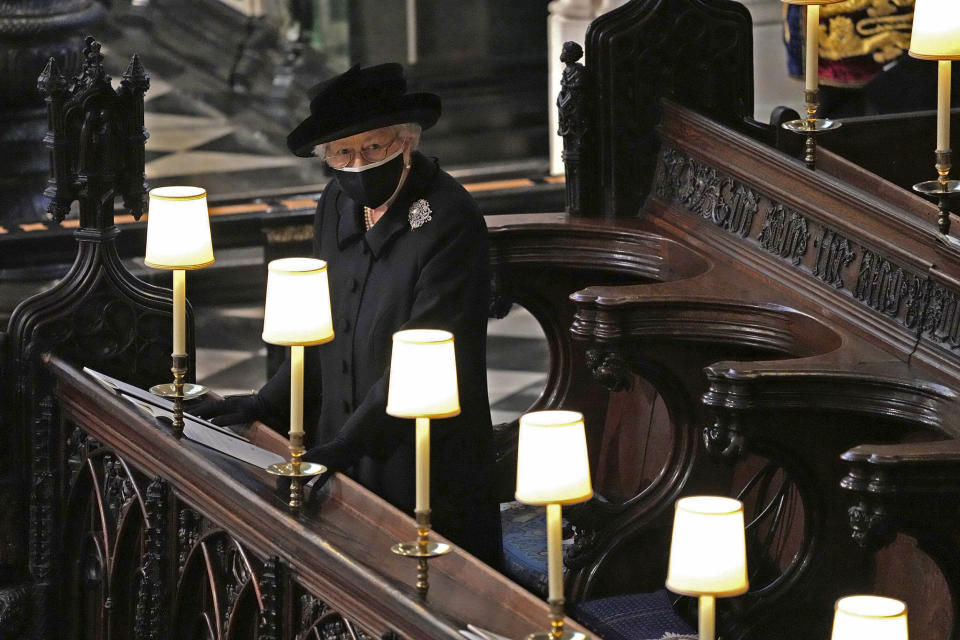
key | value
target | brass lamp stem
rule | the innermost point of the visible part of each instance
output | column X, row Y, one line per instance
column 423, row 539
column 556, row 618
column 179, row 369
column 944, row 164
column 423, row 550
column 297, row 470
column 812, row 101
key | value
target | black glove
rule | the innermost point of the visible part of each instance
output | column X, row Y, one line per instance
column 333, row 455
column 231, row 410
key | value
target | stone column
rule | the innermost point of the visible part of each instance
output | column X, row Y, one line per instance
column 31, row 32
column 772, row 86
column 568, row 21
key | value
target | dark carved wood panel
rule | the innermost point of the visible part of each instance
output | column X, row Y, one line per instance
column 139, row 562
column 697, row 52
column 227, row 559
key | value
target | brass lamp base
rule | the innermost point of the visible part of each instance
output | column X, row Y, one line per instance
column 422, row 550
column 178, row 390
column 817, row 125
column 942, row 188
column 168, row 390
column 296, row 470
column 937, row 188
column 414, row 550
column 557, row 631
column 810, row 127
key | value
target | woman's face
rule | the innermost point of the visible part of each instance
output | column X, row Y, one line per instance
column 363, row 148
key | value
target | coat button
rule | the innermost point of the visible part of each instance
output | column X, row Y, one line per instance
column 345, row 368
column 346, row 406
column 345, row 325
column 354, row 284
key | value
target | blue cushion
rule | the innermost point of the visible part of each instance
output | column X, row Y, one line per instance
column 633, row 616
column 525, row 545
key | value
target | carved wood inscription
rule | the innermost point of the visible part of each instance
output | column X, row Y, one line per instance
column 907, row 297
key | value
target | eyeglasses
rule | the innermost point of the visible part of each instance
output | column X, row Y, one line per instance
column 373, row 152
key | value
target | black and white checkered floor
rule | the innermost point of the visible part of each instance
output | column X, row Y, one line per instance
column 231, row 358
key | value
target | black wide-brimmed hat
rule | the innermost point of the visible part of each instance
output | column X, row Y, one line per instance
column 361, row 99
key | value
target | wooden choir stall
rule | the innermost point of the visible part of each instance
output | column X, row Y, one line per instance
column 729, row 322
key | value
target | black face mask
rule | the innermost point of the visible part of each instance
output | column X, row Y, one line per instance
column 374, row 184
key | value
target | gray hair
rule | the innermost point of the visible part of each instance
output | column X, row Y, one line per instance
column 407, row 130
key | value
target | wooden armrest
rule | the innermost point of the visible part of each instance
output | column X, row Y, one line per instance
column 264, row 437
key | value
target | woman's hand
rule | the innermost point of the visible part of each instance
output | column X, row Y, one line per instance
column 230, row 410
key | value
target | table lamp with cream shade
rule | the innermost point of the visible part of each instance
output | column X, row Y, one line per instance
column 708, row 556
column 178, row 238
column 297, row 314
column 423, row 385
column 873, row 617
column 552, row 470
column 936, row 36
column 811, row 125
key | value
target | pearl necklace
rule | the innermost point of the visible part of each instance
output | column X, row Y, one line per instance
column 368, row 217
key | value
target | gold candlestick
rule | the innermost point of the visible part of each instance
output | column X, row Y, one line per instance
column 297, row 314
column 811, row 126
column 553, row 469
column 423, row 385
column 178, row 239
column 942, row 188
column 296, row 470
column 935, row 35
column 423, row 550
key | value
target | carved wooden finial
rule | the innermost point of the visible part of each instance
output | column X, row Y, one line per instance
column 135, row 76
column 50, row 79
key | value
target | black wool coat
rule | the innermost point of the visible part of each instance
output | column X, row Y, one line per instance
column 394, row 277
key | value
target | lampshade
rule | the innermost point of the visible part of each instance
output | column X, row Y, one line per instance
column 552, row 463
column 178, row 229
column 423, row 375
column 871, row 617
column 936, row 30
column 297, row 309
column 708, row 551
